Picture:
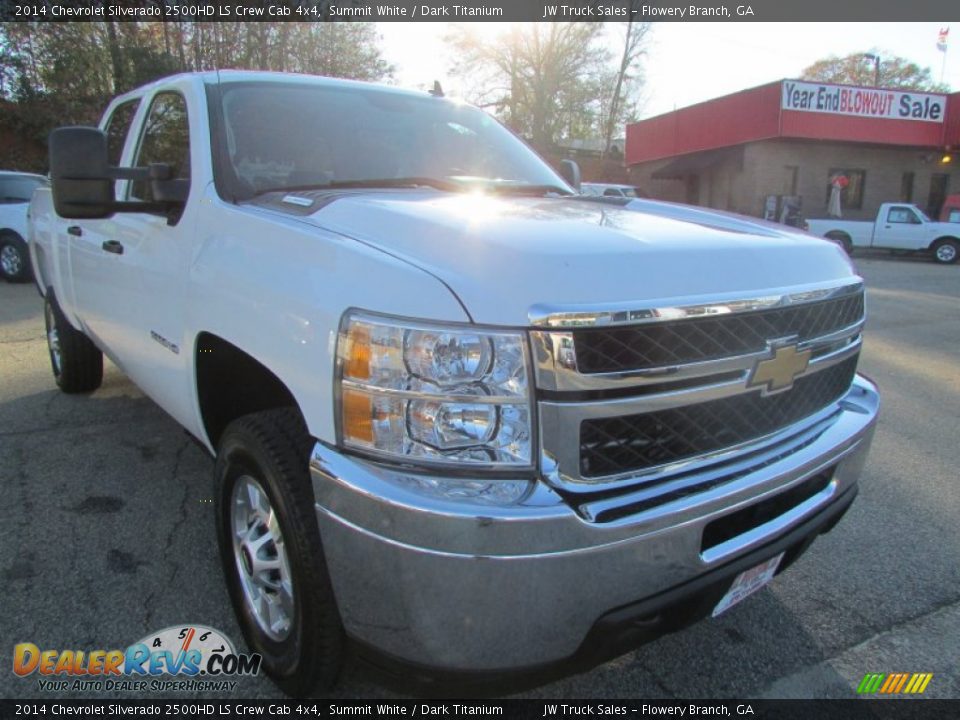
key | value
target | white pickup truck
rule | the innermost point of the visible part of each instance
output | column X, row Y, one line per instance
column 899, row 226
column 464, row 420
column 16, row 189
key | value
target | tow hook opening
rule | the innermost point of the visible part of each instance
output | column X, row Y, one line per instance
column 742, row 521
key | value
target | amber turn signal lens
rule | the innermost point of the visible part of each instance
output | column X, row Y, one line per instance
column 357, row 416
column 357, row 362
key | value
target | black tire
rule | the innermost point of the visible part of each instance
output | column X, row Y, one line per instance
column 273, row 448
column 845, row 242
column 14, row 258
column 946, row 251
column 76, row 362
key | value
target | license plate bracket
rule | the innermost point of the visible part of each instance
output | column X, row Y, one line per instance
column 747, row 583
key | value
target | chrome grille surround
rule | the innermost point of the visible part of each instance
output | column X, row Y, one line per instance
column 570, row 398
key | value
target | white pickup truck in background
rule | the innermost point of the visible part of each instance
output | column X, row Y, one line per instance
column 464, row 420
column 899, row 226
column 16, row 189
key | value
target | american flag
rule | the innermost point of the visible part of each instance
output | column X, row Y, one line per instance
column 942, row 39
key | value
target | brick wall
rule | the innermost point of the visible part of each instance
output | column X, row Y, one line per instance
column 802, row 167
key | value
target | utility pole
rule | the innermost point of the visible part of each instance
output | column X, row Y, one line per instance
column 942, row 47
column 876, row 67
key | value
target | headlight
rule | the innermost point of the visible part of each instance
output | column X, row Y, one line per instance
column 416, row 392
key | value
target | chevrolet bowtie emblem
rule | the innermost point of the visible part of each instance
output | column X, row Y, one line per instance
column 778, row 372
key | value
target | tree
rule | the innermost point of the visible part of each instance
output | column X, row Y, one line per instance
column 620, row 105
column 65, row 73
column 83, row 61
column 857, row 69
column 543, row 80
column 550, row 81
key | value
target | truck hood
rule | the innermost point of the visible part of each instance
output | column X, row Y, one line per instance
column 503, row 256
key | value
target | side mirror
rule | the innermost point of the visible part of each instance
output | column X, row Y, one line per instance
column 79, row 174
column 82, row 180
column 166, row 189
column 570, row 171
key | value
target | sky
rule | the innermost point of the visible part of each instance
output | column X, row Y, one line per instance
column 691, row 62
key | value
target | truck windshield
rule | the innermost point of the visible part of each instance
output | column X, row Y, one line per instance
column 286, row 136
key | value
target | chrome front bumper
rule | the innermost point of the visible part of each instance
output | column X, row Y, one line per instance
column 466, row 576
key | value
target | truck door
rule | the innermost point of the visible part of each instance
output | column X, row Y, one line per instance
column 901, row 228
column 93, row 287
column 155, row 251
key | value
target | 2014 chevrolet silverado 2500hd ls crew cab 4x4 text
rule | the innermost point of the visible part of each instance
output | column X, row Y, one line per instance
column 464, row 420
column 899, row 226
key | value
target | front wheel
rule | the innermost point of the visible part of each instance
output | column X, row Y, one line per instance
column 14, row 258
column 76, row 362
column 945, row 251
column 271, row 552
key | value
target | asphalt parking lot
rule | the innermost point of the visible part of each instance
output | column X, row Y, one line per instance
column 107, row 529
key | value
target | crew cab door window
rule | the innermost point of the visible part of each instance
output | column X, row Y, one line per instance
column 902, row 215
column 118, row 127
column 165, row 139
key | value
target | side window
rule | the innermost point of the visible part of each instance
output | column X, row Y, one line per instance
column 165, row 139
column 118, row 127
column 902, row 215
column 851, row 183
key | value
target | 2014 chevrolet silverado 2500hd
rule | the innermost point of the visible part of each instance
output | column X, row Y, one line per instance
column 463, row 419
column 899, row 226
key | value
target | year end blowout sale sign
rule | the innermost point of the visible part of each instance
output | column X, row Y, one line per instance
column 862, row 102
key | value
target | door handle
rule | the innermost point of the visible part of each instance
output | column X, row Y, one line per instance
column 75, row 230
column 886, row 227
column 112, row 246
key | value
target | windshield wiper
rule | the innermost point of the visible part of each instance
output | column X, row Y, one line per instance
column 372, row 184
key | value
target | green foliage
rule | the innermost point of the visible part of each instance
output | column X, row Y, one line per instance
column 65, row 73
column 550, row 81
column 857, row 69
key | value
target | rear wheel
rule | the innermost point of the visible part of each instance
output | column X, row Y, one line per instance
column 14, row 258
column 271, row 552
column 945, row 251
column 76, row 362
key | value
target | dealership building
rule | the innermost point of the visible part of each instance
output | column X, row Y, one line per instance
column 791, row 140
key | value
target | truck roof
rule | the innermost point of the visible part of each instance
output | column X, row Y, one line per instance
column 212, row 77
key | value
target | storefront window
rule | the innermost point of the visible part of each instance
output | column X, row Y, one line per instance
column 851, row 184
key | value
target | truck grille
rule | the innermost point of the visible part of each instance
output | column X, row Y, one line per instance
column 687, row 341
column 610, row 446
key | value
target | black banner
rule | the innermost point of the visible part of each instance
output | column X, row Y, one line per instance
column 478, row 10
column 867, row 709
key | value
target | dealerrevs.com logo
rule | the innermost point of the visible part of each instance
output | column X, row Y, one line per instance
column 200, row 657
